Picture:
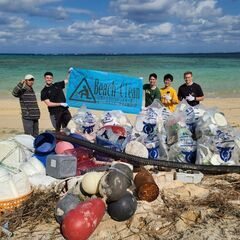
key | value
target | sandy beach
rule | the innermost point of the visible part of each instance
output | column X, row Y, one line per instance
column 11, row 123
column 210, row 208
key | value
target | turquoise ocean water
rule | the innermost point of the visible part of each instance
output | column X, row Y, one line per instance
column 218, row 74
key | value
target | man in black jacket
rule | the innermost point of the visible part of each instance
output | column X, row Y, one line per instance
column 29, row 106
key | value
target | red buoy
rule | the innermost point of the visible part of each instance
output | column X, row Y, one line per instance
column 80, row 222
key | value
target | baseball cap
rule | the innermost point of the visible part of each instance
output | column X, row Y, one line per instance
column 29, row 76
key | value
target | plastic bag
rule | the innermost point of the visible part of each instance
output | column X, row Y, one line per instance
column 85, row 121
column 185, row 148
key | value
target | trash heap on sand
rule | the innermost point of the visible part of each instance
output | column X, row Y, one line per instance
column 96, row 182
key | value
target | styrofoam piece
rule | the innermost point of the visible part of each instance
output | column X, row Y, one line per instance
column 61, row 166
column 195, row 177
column 163, row 178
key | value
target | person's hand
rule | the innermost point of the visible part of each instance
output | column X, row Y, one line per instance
column 70, row 69
column 23, row 81
column 190, row 98
column 64, row 104
column 168, row 97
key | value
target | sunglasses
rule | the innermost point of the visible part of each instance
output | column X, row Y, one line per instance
column 31, row 79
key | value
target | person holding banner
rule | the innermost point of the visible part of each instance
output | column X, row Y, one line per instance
column 53, row 96
column 151, row 90
column 169, row 96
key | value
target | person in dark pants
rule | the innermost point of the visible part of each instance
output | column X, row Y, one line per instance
column 53, row 96
column 29, row 106
column 151, row 90
column 190, row 91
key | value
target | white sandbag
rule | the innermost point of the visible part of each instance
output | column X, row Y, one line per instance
column 25, row 140
column 13, row 185
column 28, row 168
column 13, row 154
column 7, row 189
column 21, row 183
column 37, row 165
column 43, row 182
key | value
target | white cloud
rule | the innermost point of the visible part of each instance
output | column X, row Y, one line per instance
column 38, row 8
column 163, row 29
column 162, row 10
column 12, row 22
column 138, row 24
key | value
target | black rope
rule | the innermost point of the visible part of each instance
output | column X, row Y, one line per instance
column 145, row 161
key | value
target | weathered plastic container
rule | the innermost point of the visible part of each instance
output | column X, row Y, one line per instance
column 146, row 187
column 192, row 177
column 61, row 166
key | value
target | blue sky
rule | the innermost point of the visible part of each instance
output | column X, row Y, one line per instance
column 119, row 26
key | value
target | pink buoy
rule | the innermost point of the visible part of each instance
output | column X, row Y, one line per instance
column 63, row 146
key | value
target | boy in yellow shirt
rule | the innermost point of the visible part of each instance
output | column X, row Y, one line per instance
column 169, row 96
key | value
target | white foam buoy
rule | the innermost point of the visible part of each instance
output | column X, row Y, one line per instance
column 90, row 182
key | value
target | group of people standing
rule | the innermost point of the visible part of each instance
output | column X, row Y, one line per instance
column 52, row 95
column 168, row 96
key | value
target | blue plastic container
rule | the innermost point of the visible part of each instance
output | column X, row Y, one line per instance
column 44, row 143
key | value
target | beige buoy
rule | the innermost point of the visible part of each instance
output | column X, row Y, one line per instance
column 90, row 182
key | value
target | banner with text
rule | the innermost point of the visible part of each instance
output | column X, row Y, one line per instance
column 104, row 91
